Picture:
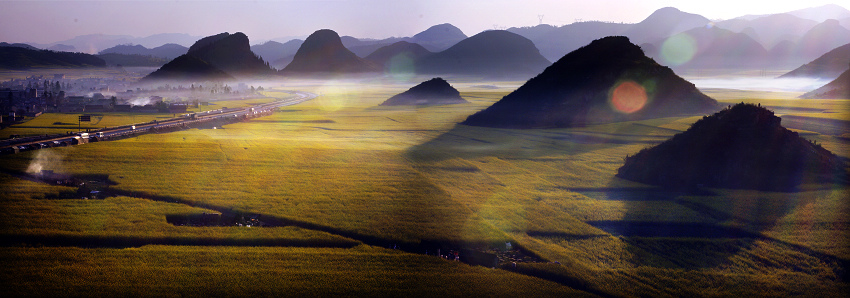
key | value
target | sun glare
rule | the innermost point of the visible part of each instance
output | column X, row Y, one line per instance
column 678, row 49
column 628, row 97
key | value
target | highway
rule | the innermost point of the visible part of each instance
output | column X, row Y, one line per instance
column 185, row 121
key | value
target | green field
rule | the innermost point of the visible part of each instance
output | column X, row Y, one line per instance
column 349, row 179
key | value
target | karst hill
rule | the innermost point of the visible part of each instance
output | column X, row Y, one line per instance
column 435, row 91
column 215, row 57
column 323, row 53
column 836, row 89
column 827, row 66
column 398, row 57
column 230, row 53
column 188, row 68
column 744, row 147
column 495, row 53
column 608, row 80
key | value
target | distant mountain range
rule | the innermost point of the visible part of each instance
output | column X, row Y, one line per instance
column 166, row 51
column 817, row 14
column 555, row 42
column 821, row 39
column 790, row 39
column 778, row 41
column 62, row 48
column 435, row 38
column 273, row 51
column 18, row 45
column 115, row 59
column 20, row 58
column 95, row 43
column 708, row 48
column 608, row 80
column 771, row 29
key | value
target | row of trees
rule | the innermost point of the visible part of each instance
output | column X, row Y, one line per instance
column 54, row 87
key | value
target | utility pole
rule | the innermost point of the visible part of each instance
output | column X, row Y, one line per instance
column 540, row 18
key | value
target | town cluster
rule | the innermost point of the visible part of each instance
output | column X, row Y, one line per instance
column 37, row 94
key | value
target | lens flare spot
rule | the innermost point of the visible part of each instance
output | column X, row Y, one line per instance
column 628, row 97
column 401, row 66
column 678, row 49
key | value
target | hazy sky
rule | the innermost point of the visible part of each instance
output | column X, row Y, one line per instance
column 52, row 21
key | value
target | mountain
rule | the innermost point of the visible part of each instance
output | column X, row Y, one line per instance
column 435, row 38
column 230, row 53
column 18, row 45
column 323, row 53
column 710, row 48
column 167, row 51
column 534, row 33
column 364, row 47
column 156, row 40
column 62, row 48
column 822, row 13
column 608, row 80
column 398, row 57
column 435, row 91
column 93, row 43
column 838, row 88
column 272, row 51
column 784, row 52
column 559, row 41
column 438, row 37
column 821, row 39
column 555, row 42
column 744, row 146
column 115, row 59
column 127, row 49
column 772, row 29
column 281, row 63
column 664, row 22
column 188, row 68
column 496, row 53
column 23, row 58
column 817, row 14
column 829, row 65
column 367, row 49
column 845, row 22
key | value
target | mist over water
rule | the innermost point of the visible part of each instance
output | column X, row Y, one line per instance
column 761, row 83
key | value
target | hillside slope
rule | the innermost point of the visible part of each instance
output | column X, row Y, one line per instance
column 608, row 80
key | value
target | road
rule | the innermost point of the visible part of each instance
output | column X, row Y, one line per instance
column 184, row 121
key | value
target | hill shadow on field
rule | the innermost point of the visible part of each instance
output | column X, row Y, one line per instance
column 716, row 229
